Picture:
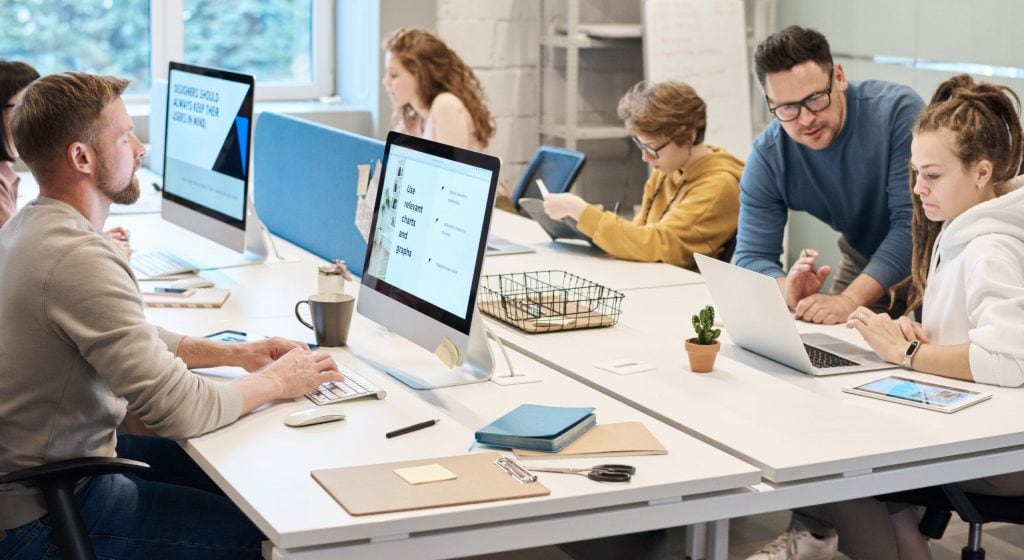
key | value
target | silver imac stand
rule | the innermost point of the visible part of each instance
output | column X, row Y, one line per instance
column 477, row 367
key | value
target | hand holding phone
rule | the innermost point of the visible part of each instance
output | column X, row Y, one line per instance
column 544, row 192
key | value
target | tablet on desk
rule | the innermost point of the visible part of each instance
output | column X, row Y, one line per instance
column 923, row 394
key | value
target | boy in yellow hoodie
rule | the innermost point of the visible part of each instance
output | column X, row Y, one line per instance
column 690, row 201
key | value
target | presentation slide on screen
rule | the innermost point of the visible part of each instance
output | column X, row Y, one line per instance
column 207, row 148
column 429, row 227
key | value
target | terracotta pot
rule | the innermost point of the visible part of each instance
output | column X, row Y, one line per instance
column 702, row 356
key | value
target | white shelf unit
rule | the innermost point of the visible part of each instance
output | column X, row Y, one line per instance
column 572, row 42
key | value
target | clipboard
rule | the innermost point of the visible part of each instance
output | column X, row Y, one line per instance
column 369, row 489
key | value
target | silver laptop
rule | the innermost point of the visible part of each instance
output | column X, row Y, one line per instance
column 758, row 320
column 501, row 246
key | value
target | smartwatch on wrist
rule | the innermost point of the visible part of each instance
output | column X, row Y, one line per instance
column 908, row 354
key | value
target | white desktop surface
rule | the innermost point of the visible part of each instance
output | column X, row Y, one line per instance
column 577, row 258
column 264, row 466
column 810, row 442
column 794, row 426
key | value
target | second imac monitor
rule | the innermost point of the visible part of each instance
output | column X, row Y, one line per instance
column 424, row 255
column 206, row 152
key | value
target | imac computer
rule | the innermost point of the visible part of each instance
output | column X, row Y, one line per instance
column 206, row 166
column 424, row 254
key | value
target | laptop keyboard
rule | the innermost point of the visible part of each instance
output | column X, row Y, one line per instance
column 353, row 387
column 158, row 264
column 822, row 359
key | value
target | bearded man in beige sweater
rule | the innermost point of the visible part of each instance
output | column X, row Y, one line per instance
column 77, row 354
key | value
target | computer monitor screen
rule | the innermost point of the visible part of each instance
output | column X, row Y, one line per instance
column 206, row 152
column 427, row 242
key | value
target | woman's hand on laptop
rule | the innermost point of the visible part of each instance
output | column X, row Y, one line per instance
column 888, row 338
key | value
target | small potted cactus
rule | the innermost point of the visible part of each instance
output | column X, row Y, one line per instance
column 703, row 349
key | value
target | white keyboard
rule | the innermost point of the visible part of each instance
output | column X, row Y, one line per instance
column 159, row 264
column 353, row 387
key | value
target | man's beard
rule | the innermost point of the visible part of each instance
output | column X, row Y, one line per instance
column 128, row 194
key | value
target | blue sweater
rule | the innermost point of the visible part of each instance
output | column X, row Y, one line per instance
column 858, row 184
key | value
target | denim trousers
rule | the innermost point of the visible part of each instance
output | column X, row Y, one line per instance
column 172, row 511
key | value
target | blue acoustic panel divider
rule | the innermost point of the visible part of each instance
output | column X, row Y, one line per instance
column 305, row 185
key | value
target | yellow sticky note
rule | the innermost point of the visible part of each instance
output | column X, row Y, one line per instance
column 425, row 473
column 447, row 352
column 364, row 178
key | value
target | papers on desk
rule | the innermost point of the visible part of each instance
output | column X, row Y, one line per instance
column 605, row 440
column 533, row 426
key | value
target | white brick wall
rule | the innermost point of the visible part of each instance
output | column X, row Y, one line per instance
column 500, row 39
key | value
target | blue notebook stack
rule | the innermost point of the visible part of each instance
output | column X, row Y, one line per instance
column 542, row 428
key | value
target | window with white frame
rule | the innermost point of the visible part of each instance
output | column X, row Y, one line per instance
column 286, row 44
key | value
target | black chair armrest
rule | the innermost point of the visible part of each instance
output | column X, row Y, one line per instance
column 74, row 469
column 57, row 482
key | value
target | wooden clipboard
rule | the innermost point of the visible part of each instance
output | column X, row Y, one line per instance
column 368, row 489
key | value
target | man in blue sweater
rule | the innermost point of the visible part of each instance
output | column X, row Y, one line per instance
column 837, row 150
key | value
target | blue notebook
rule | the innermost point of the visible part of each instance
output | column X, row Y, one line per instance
column 533, row 426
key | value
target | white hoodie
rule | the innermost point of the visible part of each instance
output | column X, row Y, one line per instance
column 975, row 288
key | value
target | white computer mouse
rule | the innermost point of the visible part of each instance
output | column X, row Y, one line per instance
column 311, row 416
column 193, row 283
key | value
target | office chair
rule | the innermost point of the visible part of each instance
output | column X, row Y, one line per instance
column 57, row 481
column 728, row 249
column 558, row 167
column 974, row 509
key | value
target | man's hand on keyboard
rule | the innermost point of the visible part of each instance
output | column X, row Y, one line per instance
column 256, row 355
column 293, row 375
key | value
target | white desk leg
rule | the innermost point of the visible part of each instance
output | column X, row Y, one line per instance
column 718, row 540
column 696, row 541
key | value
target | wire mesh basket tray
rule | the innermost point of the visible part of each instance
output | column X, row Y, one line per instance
column 548, row 300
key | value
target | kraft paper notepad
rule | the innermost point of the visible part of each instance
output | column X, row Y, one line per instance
column 605, row 440
column 203, row 297
column 368, row 489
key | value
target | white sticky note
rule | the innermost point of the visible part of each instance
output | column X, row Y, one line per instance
column 447, row 352
column 625, row 366
column 425, row 473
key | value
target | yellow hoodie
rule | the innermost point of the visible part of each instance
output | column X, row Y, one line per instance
column 683, row 213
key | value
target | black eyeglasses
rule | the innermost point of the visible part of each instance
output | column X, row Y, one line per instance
column 652, row 152
column 815, row 103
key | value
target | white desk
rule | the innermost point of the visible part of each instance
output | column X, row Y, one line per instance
column 264, row 466
column 578, row 258
column 810, row 442
column 813, row 442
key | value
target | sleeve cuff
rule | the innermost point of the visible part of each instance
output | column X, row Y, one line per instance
column 986, row 368
column 171, row 339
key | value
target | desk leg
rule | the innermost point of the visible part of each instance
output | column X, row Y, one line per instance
column 696, row 541
column 718, row 540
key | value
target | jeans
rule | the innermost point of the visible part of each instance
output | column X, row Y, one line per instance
column 172, row 511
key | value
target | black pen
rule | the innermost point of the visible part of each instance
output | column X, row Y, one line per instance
column 413, row 428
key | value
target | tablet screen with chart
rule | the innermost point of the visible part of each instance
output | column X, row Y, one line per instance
column 923, row 394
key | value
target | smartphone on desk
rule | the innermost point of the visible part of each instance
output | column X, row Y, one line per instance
column 166, row 291
column 233, row 337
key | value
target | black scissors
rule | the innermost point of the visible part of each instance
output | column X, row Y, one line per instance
column 600, row 473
